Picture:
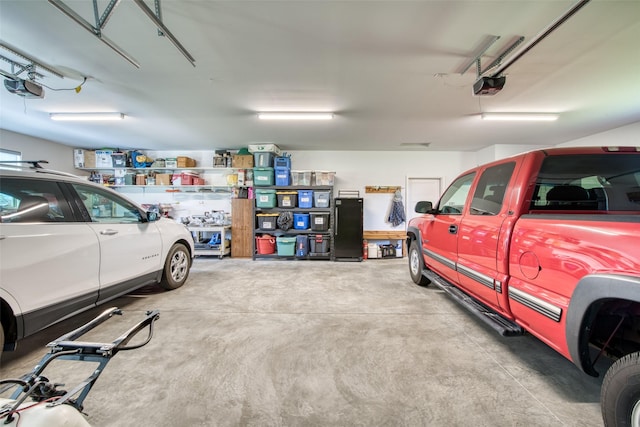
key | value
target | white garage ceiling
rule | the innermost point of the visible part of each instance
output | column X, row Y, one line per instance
column 390, row 70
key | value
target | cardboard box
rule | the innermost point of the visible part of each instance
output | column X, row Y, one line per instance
column 186, row 162
column 141, row 179
column 89, row 159
column 242, row 161
column 163, row 179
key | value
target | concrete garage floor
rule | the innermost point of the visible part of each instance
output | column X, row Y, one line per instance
column 318, row 343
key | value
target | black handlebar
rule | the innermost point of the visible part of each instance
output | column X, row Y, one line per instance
column 68, row 341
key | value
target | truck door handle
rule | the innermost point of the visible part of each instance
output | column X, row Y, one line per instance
column 453, row 229
column 108, row 232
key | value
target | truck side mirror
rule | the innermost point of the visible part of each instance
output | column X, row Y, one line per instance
column 424, row 207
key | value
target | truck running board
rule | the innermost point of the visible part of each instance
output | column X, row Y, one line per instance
column 504, row 327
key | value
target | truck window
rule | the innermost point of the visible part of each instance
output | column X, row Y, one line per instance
column 489, row 195
column 602, row 182
column 453, row 199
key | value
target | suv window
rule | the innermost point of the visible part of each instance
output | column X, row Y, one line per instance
column 32, row 200
column 107, row 207
column 489, row 194
column 603, row 182
column 452, row 201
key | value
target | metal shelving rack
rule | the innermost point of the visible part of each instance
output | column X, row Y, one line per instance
column 294, row 232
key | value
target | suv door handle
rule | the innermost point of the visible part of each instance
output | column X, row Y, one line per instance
column 453, row 229
column 108, row 232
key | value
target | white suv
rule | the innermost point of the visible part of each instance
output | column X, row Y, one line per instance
column 67, row 245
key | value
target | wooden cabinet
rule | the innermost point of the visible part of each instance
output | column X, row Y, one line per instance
column 242, row 228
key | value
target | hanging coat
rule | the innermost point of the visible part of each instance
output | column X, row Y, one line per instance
column 396, row 214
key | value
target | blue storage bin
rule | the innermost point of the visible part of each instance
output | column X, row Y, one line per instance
column 300, row 221
column 283, row 176
column 282, row 162
column 305, row 198
column 302, row 245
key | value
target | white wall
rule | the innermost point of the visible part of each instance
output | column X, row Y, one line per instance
column 354, row 169
column 60, row 156
column 623, row 136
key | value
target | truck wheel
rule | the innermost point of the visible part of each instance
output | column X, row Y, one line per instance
column 620, row 394
column 176, row 267
column 416, row 265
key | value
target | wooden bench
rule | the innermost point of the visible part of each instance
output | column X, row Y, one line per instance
column 390, row 235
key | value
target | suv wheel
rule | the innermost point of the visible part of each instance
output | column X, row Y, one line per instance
column 176, row 267
column 416, row 265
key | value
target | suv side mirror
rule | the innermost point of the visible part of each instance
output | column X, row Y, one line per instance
column 424, row 207
column 153, row 216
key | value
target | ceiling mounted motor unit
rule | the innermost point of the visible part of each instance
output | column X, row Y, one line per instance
column 25, row 88
column 488, row 85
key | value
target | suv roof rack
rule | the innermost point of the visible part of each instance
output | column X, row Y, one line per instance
column 35, row 165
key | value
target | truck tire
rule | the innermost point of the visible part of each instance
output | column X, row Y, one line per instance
column 176, row 267
column 416, row 265
column 620, row 393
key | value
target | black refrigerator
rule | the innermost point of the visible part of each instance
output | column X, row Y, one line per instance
column 347, row 240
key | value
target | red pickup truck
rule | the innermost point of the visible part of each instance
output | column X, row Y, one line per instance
column 547, row 242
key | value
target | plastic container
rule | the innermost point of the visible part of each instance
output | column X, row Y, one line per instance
column 264, row 147
column 262, row 176
column 300, row 177
column 286, row 245
column 265, row 198
column 263, row 160
column 305, row 198
column 287, row 199
column 300, row 221
column 302, row 245
column 283, row 176
column 319, row 244
column 265, row 245
column 282, row 162
column 267, row 221
column 323, row 177
column 319, row 221
column 321, row 199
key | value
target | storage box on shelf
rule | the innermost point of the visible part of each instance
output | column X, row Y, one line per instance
column 263, row 176
column 283, row 176
column 300, row 178
column 323, row 178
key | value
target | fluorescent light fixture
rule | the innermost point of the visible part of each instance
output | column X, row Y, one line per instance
column 535, row 117
column 86, row 116
column 295, row 116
